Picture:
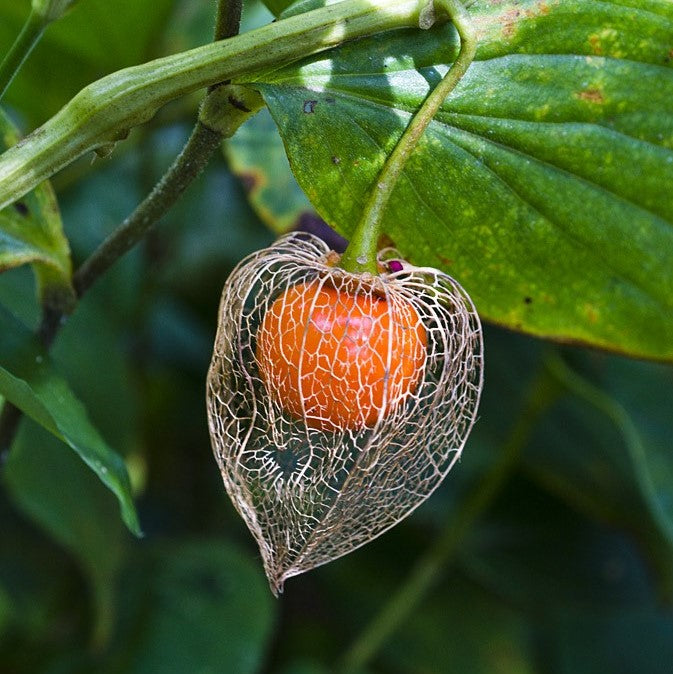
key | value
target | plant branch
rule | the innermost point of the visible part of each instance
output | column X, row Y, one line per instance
column 227, row 19
column 27, row 39
column 104, row 111
column 360, row 256
column 541, row 394
column 186, row 167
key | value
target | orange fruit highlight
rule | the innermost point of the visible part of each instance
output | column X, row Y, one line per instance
column 340, row 360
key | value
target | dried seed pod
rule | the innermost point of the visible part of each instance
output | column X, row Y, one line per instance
column 337, row 402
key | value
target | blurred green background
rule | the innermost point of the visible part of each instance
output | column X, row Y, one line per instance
column 568, row 569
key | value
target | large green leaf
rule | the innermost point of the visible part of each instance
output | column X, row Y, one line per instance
column 543, row 184
column 31, row 231
column 29, row 381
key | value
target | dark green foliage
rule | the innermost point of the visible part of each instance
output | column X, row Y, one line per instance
column 569, row 570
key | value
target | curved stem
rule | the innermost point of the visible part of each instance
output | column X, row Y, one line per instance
column 28, row 37
column 360, row 256
column 541, row 394
column 186, row 167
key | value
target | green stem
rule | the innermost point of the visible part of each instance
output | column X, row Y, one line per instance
column 186, row 167
column 541, row 394
column 360, row 256
column 28, row 37
column 103, row 111
column 227, row 19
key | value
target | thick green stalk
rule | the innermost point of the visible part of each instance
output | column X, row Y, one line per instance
column 360, row 256
column 103, row 112
column 28, row 37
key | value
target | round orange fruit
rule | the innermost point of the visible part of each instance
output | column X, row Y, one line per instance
column 340, row 360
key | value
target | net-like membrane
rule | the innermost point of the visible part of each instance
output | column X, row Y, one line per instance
column 337, row 402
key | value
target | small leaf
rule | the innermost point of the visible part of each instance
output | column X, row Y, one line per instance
column 257, row 156
column 31, row 231
column 29, row 381
column 543, row 183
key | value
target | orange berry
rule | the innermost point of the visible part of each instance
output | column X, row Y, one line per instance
column 338, row 359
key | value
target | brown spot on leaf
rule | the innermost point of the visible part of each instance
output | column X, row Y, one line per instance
column 591, row 96
column 596, row 46
column 591, row 313
column 336, row 160
column 538, row 10
column 528, row 300
column 509, row 20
